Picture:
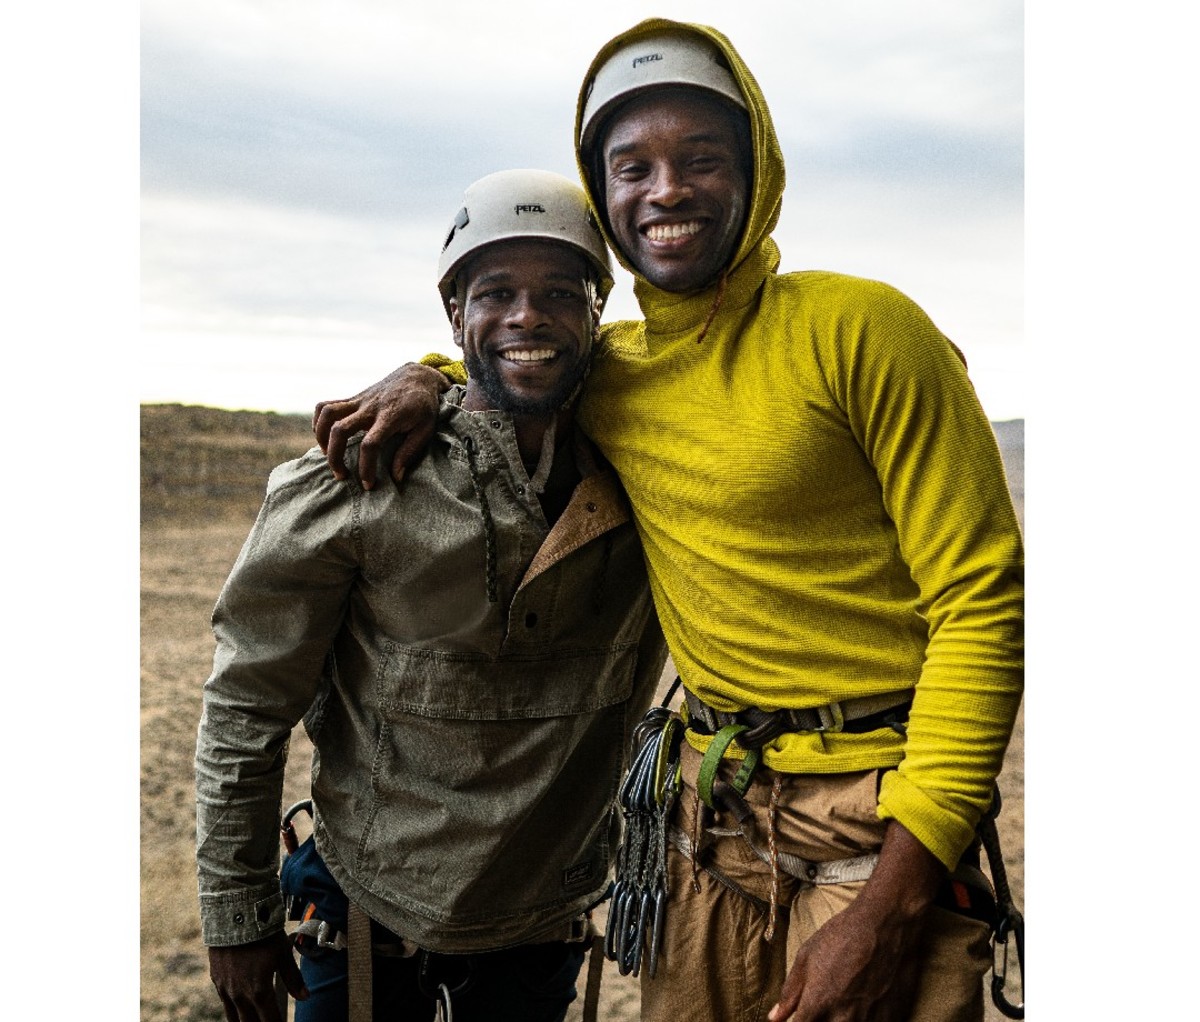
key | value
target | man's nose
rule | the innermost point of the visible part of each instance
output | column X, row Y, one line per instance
column 669, row 186
column 526, row 312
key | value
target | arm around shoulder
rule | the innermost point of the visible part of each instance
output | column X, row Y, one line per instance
column 403, row 402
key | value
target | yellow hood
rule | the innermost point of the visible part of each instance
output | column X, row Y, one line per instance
column 756, row 254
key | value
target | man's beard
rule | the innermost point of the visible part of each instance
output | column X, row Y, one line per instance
column 487, row 377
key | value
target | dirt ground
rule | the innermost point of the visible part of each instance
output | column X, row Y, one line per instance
column 203, row 474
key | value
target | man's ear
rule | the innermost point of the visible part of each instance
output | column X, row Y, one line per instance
column 456, row 323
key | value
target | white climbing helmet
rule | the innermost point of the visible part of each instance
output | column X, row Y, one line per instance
column 666, row 58
column 516, row 204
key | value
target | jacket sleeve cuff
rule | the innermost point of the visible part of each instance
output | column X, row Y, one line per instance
column 946, row 834
column 454, row 371
column 240, row 917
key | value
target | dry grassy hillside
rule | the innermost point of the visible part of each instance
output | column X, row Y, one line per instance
column 203, row 476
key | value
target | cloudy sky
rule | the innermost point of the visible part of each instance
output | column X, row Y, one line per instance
column 301, row 159
column 298, row 162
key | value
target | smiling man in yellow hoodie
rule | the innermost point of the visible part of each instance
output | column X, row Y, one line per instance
column 833, row 554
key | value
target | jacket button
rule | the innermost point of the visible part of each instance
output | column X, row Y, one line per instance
column 520, row 491
column 239, row 919
column 495, row 423
column 591, row 508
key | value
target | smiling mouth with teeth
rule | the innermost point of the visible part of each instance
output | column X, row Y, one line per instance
column 668, row 232
column 522, row 355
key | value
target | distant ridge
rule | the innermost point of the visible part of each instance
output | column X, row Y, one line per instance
column 199, row 462
column 202, row 462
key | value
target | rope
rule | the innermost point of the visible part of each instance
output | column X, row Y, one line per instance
column 773, row 848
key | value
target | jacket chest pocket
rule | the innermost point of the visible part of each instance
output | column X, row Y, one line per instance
column 464, row 686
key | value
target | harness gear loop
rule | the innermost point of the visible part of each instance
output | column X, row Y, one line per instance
column 712, row 761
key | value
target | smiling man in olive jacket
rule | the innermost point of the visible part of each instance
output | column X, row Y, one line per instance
column 469, row 653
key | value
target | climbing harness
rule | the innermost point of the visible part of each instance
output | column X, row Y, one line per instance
column 309, row 898
column 330, row 922
column 652, row 787
column 852, row 716
column 327, row 920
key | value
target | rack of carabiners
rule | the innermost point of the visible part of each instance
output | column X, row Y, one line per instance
column 647, row 796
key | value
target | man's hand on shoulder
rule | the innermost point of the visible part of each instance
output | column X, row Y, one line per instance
column 863, row 963
column 244, row 976
column 403, row 402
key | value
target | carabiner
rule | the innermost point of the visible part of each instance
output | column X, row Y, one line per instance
column 445, row 1008
column 290, row 841
column 1014, row 922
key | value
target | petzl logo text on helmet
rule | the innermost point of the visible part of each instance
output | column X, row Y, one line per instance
column 529, row 207
column 647, row 58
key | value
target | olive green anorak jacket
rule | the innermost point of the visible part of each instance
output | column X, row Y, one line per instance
column 469, row 674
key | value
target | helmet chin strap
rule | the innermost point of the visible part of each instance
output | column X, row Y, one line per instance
column 574, row 395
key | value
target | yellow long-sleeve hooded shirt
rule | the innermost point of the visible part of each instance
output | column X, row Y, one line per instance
column 823, row 508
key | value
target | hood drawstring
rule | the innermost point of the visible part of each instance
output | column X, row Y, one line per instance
column 489, row 527
column 712, row 313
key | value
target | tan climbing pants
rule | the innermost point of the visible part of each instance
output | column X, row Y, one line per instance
column 715, row 965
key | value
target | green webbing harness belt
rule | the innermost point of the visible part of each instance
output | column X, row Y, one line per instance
column 712, row 761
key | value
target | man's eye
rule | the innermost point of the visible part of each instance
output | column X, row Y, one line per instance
column 629, row 171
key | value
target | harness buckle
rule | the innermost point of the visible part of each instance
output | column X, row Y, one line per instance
column 832, row 718
column 329, row 937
